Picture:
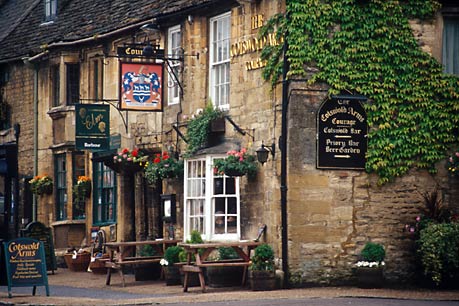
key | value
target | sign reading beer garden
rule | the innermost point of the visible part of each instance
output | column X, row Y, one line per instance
column 25, row 264
column 342, row 133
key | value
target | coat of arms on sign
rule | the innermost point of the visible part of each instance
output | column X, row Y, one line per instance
column 141, row 86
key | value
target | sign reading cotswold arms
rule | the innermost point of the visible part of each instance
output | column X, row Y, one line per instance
column 25, row 264
column 342, row 133
column 92, row 127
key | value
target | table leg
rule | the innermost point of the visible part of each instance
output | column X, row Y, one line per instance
column 202, row 281
column 109, row 276
column 185, row 281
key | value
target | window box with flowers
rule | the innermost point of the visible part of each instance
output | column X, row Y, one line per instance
column 82, row 189
column 163, row 166
column 369, row 270
column 41, row 184
column 237, row 163
column 128, row 161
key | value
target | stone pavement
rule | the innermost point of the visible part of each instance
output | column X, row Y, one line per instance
column 84, row 288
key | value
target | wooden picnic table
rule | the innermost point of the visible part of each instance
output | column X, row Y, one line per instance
column 201, row 252
column 121, row 254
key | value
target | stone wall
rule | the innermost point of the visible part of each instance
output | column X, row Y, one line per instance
column 333, row 213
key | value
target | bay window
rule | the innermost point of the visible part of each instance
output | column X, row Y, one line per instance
column 212, row 201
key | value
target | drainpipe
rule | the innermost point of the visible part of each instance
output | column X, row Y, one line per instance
column 35, row 136
column 283, row 149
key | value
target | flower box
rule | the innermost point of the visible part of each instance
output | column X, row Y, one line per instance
column 78, row 262
column 369, row 277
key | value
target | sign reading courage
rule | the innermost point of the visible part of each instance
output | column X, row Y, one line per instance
column 342, row 133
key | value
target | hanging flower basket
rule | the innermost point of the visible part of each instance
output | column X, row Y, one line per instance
column 238, row 163
column 163, row 166
column 41, row 184
column 82, row 189
column 128, row 162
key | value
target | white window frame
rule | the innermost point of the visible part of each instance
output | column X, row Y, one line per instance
column 219, row 62
column 200, row 187
column 174, row 46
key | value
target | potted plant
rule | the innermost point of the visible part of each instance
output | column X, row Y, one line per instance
column 163, row 166
column 262, row 275
column 41, row 184
column 369, row 269
column 82, row 189
column 128, row 161
column 237, row 163
column 149, row 271
column 199, row 129
column 170, row 267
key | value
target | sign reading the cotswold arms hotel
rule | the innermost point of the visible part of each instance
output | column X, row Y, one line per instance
column 25, row 264
column 342, row 133
column 92, row 127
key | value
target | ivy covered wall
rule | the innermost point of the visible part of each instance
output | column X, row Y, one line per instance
column 368, row 48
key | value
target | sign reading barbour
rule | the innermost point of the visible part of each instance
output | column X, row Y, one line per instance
column 342, row 133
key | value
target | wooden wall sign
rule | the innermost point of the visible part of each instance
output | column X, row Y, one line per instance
column 342, row 133
column 25, row 264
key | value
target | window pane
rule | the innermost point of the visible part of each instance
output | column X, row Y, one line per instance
column 61, row 187
column 79, row 206
column 105, row 194
column 451, row 45
column 73, row 83
column 220, row 60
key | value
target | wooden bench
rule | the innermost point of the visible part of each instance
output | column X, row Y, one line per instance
column 128, row 261
column 198, row 268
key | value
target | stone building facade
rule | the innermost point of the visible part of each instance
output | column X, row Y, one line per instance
column 330, row 214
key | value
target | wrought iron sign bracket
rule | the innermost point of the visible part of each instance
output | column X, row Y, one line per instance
column 239, row 129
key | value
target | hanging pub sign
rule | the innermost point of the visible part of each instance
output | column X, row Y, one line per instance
column 25, row 264
column 342, row 133
column 141, row 86
column 92, row 127
column 139, row 51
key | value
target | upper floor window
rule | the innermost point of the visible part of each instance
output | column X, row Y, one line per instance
column 450, row 48
column 174, row 51
column 50, row 10
column 72, row 83
column 220, row 29
column 212, row 202
column 96, row 86
column 56, row 87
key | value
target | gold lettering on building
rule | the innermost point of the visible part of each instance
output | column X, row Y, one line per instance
column 256, row 21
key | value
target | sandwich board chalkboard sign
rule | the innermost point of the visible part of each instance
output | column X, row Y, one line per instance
column 25, row 264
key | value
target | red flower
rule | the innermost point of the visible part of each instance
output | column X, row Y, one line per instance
column 135, row 153
column 157, row 160
column 125, row 151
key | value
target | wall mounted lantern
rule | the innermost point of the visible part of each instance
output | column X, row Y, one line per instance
column 263, row 151
column 151, row 29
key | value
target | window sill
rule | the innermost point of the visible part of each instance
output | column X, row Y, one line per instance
column 68, row 222
column 60, row 111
